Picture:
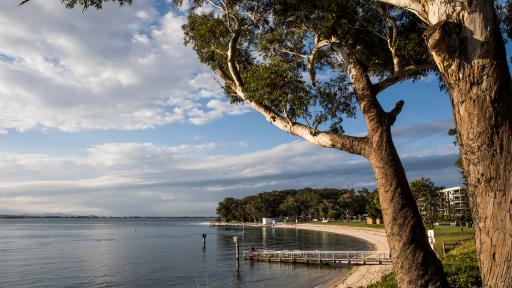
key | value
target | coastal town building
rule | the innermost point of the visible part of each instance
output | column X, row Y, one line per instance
column 456, row 201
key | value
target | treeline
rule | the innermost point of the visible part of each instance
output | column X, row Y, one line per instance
column 336, row 204
column 303, row 204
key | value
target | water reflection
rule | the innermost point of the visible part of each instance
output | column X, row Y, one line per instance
column 154, row 252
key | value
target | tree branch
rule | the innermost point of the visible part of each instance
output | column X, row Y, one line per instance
column 351, row 144
column 232, row 65
column 312, row 59
column 414, row 6
column 293, row 53
column 394, row 113
column 400, row 76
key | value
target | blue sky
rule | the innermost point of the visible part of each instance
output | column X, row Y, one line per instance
column 108, row 113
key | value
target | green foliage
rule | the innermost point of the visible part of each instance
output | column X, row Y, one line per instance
column 387, row 281
column 278, row 84
column 278, row 59
column 373, row 204
column 461, row 266
column 85, row 4
column 304, row 204
column 430, row 201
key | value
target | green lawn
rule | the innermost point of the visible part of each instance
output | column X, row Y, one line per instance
column 446, row 233
column 450, row 235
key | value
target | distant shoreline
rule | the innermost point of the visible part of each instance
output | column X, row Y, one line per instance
column 98, row 217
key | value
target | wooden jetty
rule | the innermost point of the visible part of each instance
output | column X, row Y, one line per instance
column 320, row 257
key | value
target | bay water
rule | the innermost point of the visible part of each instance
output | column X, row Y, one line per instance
column 155, row 252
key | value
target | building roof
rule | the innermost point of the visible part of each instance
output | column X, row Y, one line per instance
column 452, row 188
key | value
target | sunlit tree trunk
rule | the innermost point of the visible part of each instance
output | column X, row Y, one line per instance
column 467, row 46
column 414, row 262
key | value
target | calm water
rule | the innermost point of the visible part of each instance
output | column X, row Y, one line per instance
column 153, row 253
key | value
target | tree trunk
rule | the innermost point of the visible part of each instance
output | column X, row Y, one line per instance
column 414, row 262
column 469, row 52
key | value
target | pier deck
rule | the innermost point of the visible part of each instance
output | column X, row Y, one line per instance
column 320, row 257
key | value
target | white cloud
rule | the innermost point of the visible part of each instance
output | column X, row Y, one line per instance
column 148, row 179
column 119, row 68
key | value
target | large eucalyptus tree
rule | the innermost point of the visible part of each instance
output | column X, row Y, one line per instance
column 465, row 41
column 304, row 65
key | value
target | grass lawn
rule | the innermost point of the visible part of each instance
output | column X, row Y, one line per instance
column 450, row 235
column 445, row 233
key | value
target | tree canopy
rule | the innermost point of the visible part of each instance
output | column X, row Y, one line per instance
column 303, row 204
column 290, row 56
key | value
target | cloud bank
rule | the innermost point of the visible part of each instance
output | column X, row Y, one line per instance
column 148, row 179
column 119, row 68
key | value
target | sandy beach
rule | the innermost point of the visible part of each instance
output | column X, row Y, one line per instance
column 360, row 276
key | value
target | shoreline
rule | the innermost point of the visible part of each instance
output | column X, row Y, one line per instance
column 360, row 275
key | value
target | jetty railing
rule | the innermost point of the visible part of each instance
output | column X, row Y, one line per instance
column 319, row 257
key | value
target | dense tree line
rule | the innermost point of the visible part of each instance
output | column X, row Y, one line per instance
column 335, row 204
column 303, row 204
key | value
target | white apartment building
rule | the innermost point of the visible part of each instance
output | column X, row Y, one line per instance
column 457, row 198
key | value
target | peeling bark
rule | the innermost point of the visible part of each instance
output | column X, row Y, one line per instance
column 473, row 65
column 467, row 46
column 469, row 52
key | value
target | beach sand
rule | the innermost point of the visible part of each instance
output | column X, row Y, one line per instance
column 359, row 276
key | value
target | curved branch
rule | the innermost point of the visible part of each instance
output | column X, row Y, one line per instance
column 312, row 59
column 351, row 144
column 415, row 6
column 400, row 76
column 232, row 65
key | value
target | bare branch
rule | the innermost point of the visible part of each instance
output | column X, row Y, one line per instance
column 392, row 42
column 415, row 6
column 293, row 53
column 215, row 5
column 351, row 144
column 232, row 65
column 312, row 58
column 394, row 113
column 400, row 76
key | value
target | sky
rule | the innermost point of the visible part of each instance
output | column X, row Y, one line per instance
column 109, row 113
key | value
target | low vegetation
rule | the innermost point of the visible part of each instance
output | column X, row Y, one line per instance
column 460, row 266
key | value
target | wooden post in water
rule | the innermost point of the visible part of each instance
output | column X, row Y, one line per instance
column 237, row 253
column 204, row 240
